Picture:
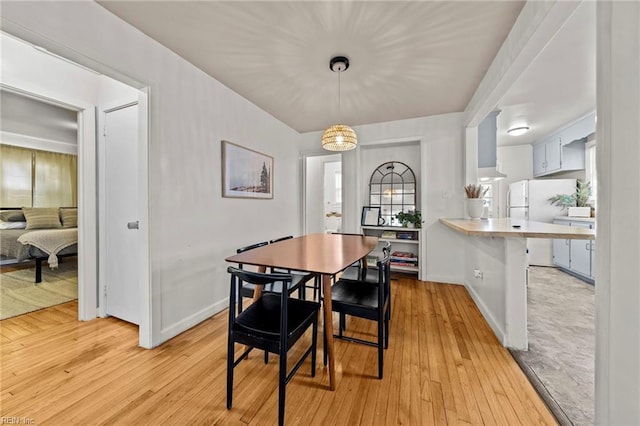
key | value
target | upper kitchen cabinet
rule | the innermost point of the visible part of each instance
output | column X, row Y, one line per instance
column 547, row 156
column 563, row 150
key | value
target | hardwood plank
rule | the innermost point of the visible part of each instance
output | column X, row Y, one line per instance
column 443, row 366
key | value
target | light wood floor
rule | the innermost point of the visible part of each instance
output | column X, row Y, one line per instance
column 443, row 366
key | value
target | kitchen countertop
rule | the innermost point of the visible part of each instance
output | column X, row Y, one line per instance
column 576, row 219
column 528, row 229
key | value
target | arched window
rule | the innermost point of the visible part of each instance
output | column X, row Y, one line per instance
column 393, row 187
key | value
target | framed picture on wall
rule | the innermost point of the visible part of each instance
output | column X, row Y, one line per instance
column 370, row 216
column 246, row 173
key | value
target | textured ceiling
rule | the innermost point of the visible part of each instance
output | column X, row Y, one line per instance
column 408, row 59
column 558, row 87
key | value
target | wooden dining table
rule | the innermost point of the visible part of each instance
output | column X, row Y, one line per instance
column 324, row 254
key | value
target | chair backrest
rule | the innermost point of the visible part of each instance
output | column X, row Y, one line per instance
column 239, row 276
column 251, row 247
column 386, row 250
column 288, row 237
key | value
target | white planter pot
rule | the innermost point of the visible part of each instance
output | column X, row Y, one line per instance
column 475, row 208
column 579, row 211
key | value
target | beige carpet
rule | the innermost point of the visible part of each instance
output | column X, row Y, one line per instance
column 20, row 295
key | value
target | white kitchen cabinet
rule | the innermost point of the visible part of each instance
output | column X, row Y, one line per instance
column 575, row 256
column 539, row 159
column 561, row 249
column 563, row 150
column 547, row 156
column 581, row 252
column 593, row 259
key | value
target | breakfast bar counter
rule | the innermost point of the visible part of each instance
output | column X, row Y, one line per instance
column 496, row 268
column 507, row 227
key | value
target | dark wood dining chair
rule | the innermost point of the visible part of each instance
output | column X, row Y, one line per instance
column 276, row 287
column 363, row 300
column 273, row 323
column 247, row 289
column 357, row 273
column 368, row 275
column 306, row 275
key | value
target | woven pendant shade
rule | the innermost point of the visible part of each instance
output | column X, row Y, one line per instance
column 339, row 137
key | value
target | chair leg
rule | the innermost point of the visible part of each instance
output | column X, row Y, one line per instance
column 230, row 374
column 386, row 333
column 282, row 386
column 316, row 288
column 341, row 326
column 266, row 357
column 324, row 348
column 314, row 346
column 380, row 348
column 302, row 292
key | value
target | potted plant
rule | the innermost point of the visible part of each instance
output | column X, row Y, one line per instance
column 577, row 203
column 475, row 201
column 410, row 219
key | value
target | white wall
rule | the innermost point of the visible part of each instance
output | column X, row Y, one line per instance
column 517, row 163
column 441, row 172
column 489, row 292
column 192, row 228
column 618, row 251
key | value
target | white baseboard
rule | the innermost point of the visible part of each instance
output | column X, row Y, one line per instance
column 174, row 329
column 497, row 330
column 445, row 279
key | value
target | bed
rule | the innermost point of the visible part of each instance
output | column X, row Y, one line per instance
column 38, row 244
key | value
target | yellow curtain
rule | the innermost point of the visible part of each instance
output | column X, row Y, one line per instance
column 15, row 176
column 55, row 180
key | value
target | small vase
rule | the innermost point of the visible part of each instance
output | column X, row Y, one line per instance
column 475, row 208
column 411, row 225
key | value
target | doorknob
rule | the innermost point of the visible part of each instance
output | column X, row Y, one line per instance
column 133, row 225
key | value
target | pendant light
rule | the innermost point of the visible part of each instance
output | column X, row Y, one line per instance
column 339, row 137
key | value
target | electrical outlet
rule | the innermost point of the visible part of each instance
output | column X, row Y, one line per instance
column 477, row 273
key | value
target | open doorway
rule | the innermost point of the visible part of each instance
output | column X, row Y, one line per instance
column 323, row 194
column 92, row 92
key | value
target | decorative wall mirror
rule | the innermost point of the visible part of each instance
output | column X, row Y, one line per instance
column 393, row 187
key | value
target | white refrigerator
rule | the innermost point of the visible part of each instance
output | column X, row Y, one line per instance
column 529, row 200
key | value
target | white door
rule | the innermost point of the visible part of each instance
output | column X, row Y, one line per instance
column 121, row 214
column 518, row 194
column 519, row 213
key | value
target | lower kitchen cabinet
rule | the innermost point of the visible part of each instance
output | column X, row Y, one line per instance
column 575, row 256
column 561, row 249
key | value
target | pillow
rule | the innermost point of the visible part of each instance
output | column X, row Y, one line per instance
column 13, row 225
column 12, row 216
column 69, row 217
column 42, row 217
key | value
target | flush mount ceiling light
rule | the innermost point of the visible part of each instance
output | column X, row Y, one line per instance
column 339, row 137
column 517, row 131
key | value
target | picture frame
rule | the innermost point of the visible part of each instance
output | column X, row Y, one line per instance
column 370, row 216
column 246, row 173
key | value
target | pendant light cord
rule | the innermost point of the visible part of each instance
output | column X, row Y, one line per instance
column 339, row 103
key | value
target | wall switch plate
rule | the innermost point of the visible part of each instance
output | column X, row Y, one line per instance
column 477, row 273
